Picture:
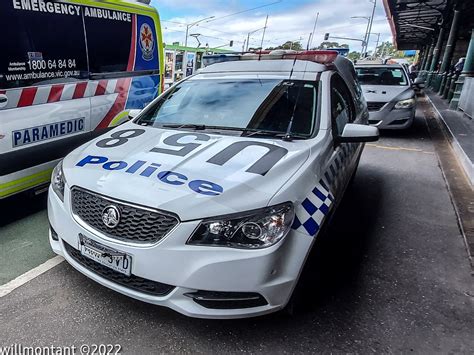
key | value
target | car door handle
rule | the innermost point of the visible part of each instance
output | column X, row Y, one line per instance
column 3, row 100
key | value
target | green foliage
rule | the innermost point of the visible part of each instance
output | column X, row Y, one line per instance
column 295, row 45
column 386, row 49
column 329, row 44
column 354, row 56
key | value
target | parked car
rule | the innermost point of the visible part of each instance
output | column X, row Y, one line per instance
column 389, row 94
column 209, row 201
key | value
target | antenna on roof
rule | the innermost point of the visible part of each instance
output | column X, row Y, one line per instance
column 311, row 36
column 263, row 37
column 288, row 136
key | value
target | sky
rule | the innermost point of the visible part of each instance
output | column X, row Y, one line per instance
column 289, row 20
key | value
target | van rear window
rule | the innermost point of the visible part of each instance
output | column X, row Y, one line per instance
column 41, row 47
column 117, row 46
column 109, row 44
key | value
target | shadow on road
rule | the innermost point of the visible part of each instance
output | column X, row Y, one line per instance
column 21, row 206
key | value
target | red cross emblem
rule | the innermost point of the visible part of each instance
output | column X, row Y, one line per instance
column 147, row 41
column 147, row 37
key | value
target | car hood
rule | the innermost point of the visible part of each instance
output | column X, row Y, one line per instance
column 194, row 174
column 386, row 93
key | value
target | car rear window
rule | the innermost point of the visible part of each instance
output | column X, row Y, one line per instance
column 381, row 76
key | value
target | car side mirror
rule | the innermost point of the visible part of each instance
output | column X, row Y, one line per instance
column 358, row 133
column 419, row 83
column 133, row 113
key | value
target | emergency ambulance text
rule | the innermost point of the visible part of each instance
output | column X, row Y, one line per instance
column 69, row 9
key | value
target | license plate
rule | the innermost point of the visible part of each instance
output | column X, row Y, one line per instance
column 113, row 259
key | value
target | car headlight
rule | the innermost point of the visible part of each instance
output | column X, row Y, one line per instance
column 408, row 103
column 58, row 182
column 252, row 230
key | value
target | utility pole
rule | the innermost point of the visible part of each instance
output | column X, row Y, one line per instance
column 365, row 41
column 377, row 45
column 188, row 26
column 250, row 33
column 370, row 26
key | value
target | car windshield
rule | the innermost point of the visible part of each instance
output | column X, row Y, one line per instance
column 381, row 76
column 270, row 105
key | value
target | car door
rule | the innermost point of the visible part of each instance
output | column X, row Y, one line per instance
column 43, row 77
column 343, row 158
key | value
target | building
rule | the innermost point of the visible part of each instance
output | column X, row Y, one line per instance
column 181, row 61
column 442, row 32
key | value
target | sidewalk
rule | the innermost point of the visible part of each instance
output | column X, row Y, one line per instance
column 460, row 129
column 453, row 138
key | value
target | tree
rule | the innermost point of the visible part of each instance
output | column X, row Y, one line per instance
column 295, row 45
column 354, row 56
column 386, row 49
column 328, row 44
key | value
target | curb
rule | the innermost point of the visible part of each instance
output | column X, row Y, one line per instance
column 463, row 159
column 460, row 191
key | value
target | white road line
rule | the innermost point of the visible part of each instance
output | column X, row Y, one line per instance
column 30, row 275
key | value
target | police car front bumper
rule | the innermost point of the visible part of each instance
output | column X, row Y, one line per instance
column 193, row 271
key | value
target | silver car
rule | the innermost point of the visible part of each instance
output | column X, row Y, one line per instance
column 389, row 94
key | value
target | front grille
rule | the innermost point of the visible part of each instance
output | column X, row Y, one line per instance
column 137, row 225
column 375, row 106
column 132, row 282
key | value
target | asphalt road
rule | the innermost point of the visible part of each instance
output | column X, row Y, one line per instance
column 392, row 275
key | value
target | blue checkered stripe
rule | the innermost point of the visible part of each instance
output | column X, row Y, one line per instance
column 309, row 216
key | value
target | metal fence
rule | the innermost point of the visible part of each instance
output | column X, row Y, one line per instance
column 466, row 101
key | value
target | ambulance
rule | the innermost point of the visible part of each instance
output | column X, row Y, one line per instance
column 69, row 71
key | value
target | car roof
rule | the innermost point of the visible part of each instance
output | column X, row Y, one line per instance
column 284, row 66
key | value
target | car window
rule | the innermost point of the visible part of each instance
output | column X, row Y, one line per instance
column 342, row 106
column 35, row 52
column 296, row 102
column 381, row 76
column 109, row 43
column 269, row 105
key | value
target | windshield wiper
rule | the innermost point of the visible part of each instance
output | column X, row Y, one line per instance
column 247, row 131
column 202, row 127
column 198, row 127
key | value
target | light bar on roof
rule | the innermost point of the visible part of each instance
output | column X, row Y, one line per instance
column 322, row 57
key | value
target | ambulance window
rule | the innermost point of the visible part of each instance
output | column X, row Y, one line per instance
column 109, row 43
column 41, row 47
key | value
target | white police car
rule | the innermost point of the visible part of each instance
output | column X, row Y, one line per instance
column 209, row 201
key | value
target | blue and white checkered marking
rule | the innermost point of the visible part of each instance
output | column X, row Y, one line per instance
column 310, row 214
column 313, row 210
